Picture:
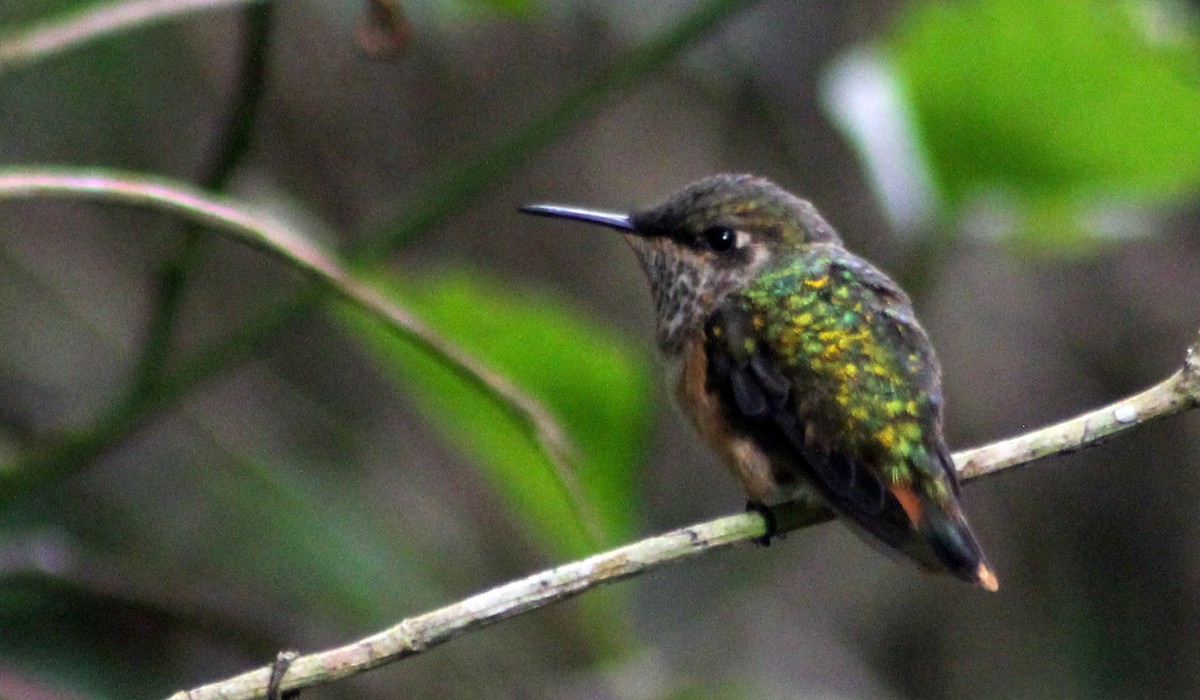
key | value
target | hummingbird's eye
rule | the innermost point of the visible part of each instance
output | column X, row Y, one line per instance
column 719, row 239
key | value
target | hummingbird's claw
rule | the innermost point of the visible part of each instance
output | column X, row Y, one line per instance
column 279, row 667
column 768, row 517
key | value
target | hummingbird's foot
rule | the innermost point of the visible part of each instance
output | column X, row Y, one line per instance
column 768, row 517
column 279, row 667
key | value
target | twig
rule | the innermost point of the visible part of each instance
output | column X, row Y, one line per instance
column 231, row 145
column 60, row 34
column 450, row 191
column 267, row 234
column 414, row 635
column 1175, row 394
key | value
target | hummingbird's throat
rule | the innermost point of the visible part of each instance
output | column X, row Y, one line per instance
column 686, row 288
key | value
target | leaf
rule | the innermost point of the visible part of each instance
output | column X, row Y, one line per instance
column 240, row 221
column 452, row 13
column 1053, row 103
column 587, row 377
column 514, row 8
column 314, row 544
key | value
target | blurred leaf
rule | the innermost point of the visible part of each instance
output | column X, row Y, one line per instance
column 455, row 11
column 1053, row 102
column 314, row 542
column 237, row 219
column 57, row 641
column 584, row 375
column 516, row 8
column 13, row 14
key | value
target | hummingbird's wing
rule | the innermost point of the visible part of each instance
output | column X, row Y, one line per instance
column 755, row 383
column 821, row 364
column 760, row 403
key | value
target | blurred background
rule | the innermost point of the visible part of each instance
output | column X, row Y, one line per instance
column 202, row 461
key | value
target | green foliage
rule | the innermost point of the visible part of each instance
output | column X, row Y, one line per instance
column 456, row 10
column 16, row 14
column 1054, row 105
column 586, row 376
column 315, row 543
column 517, row 8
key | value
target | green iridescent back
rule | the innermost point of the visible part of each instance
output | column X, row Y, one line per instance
column 865, row 382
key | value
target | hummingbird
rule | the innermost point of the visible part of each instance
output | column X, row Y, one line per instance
column 801, row 364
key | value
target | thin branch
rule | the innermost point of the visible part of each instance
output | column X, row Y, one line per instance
column 417, row 634
column 63, row 33
column 414, row 635
column 1175, row 394
column 450, row 191
column 446, row 195
column 266, row 233
column 232, row 145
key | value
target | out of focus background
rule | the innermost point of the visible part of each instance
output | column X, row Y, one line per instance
column 204, row 461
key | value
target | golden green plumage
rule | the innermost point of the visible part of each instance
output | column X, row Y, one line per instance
column 864, row 374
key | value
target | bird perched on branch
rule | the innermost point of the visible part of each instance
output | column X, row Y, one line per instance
column 800, row 363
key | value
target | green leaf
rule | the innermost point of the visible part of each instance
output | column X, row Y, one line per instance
column 456, row 11
column 515, row 8
column 1053, row 102
column 313, row 541
column 15, row 14
column 586, row 376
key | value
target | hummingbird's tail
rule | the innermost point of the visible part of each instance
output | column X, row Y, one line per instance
column 955, row 547
column 948, row 536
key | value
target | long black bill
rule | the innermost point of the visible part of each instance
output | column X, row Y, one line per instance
column 620, row 222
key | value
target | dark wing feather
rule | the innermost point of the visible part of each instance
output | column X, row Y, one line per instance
column 748, row 393
column 760, row 400
column 856, row 488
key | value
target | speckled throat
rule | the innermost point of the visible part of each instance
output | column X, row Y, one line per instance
column 686, row 288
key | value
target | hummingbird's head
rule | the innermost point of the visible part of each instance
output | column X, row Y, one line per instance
column 706, row 241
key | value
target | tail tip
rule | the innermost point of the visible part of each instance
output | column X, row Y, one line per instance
column 986, row 578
